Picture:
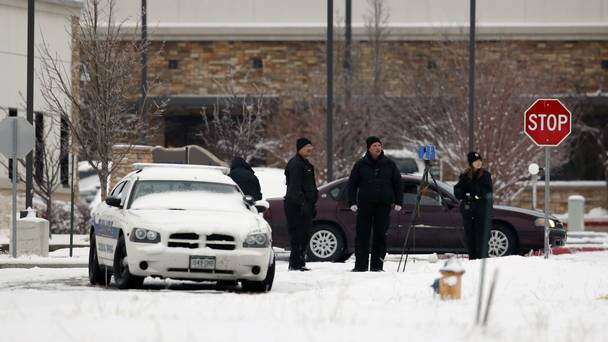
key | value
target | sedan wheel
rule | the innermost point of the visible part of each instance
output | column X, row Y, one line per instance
column 326, row 244
column 501, row 242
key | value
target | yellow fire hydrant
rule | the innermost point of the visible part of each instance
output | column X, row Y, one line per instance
column 450, row 281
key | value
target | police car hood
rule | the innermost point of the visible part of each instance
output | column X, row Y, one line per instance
column 196, row 221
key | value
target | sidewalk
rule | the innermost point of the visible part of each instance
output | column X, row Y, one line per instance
column 587, row 241
column 57, row 241
column 58, row 254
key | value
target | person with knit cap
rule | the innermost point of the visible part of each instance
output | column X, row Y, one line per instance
column 374, row 188
column 474, row 190
column 300, row 202
column 244, row 176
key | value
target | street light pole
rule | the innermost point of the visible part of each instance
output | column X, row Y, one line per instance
column 330, row 89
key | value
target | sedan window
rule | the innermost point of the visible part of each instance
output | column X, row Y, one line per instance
column 429, row 196
column 337, row 192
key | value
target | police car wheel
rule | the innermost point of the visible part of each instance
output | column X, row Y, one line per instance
column 122, row 277
column 97, row 275
column 502, row 241
column 326, row 243
column 261, row 286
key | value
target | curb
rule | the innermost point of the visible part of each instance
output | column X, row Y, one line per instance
column 573, row 250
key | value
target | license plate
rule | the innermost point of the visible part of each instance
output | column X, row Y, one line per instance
column 202, row 262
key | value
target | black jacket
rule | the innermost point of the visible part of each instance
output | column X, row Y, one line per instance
column 242, row 174
column 479, row 187
column 301, row 183
column 377, row 181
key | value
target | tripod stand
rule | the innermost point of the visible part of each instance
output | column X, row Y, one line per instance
column 424, row 184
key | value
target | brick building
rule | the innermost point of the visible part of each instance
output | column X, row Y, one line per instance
column 281, row 42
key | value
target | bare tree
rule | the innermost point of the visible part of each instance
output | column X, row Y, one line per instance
column 234, row 127
column 104, row 109
column 359, row 99
column 49, row 153
column 432, row 109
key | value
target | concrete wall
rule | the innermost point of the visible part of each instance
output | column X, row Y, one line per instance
column 595, row 193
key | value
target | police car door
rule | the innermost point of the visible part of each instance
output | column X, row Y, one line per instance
column 106, row 228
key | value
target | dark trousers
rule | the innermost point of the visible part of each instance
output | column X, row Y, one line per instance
column 299, row 223
column 476, row 234
column 372, row 220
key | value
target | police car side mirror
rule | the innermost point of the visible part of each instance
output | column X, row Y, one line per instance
column 249, row 199
column 114, row 202
column 262, row 206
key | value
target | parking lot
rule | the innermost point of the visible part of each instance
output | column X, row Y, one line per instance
column 327, row 303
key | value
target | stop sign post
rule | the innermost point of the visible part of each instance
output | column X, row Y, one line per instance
column 16, row 141
column 547, row 122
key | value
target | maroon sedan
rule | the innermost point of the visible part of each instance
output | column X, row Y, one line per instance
column 438, row 227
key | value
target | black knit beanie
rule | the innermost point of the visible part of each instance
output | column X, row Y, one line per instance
column 371, row 140
column 301, row 143
column 473, row 156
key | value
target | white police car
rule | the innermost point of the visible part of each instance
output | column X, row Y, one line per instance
column 180, row 222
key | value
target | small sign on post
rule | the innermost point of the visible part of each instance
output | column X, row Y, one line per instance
column 16, row 141
column 547, row 122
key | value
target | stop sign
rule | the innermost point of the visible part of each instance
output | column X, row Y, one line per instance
column 547, row 122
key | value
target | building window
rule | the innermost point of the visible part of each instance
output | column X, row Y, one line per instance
column 12, row 112
column 173, row 64
column 64, row 151
column 257, row 63
column 39, row 147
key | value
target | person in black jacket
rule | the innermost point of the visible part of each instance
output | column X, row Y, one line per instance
column 244, row 176
column 300, row 202
column 474, row 190
column 374, row 186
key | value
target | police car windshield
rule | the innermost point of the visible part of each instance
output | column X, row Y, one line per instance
column 162, row 194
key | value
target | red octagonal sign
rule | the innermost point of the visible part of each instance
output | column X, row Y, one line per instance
column 547, row 122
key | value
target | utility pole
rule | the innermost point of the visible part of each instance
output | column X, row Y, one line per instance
column 348, row 62
column 29, row 159
column 472, row 77
column 144, row 68
column 330, row 89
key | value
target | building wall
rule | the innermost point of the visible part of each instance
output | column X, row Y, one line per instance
column 292, row 68
column 53, row 25
column 278, row 20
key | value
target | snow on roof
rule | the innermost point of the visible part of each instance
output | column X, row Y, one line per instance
column 203, row 173
column 403, row 153
column 272, row 181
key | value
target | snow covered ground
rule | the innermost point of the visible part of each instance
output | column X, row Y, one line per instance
column 535, row 300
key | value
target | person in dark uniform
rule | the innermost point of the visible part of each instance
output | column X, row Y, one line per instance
column 244, row 176
column 474, row 190
column 374, row 188
column 300, row 202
